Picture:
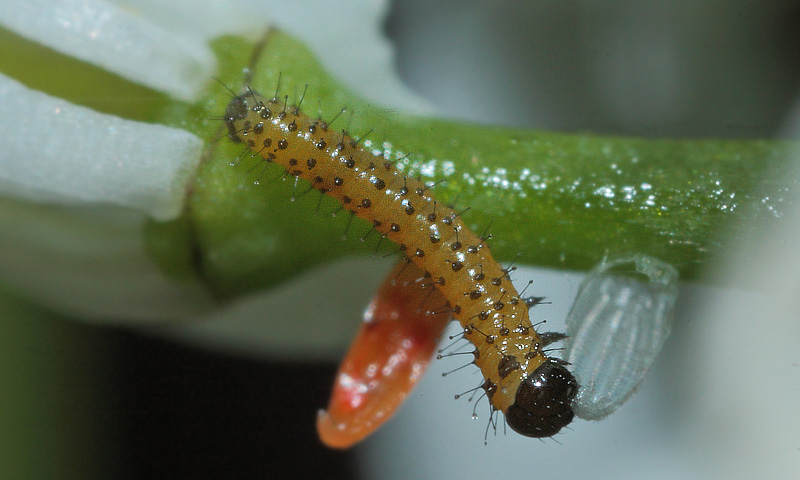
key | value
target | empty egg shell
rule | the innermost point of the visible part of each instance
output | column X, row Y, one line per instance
column 617, row 326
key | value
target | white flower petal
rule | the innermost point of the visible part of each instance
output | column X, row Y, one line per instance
column 114, row 39
column 310, row 317
column 202, row 21
column 54, row 151
column 91, row 263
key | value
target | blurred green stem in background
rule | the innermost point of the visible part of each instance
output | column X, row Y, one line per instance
column 52, row 420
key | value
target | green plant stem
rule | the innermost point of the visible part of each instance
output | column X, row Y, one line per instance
column 550, row 199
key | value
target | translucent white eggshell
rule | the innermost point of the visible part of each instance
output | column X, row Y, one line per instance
column 617, row 326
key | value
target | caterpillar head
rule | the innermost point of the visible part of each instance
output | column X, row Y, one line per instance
column 543, row 403
column 237, row 111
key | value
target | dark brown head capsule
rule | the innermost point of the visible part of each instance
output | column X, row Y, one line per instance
column 237, row 110
column 543, row 404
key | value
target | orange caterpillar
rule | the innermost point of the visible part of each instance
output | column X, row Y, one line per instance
column 534, row 392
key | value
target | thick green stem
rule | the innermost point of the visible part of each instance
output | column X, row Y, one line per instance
column 551, row 199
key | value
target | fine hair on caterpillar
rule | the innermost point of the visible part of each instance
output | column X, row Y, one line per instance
column 533, row 390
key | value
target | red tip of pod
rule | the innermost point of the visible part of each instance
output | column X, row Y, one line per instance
column 387, row 358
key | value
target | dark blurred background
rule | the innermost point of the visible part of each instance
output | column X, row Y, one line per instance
column 682, row 68
column 83, row 402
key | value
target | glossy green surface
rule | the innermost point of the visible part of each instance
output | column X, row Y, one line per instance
column 551, row 199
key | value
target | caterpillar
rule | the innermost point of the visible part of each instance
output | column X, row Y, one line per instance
column 533, row 390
